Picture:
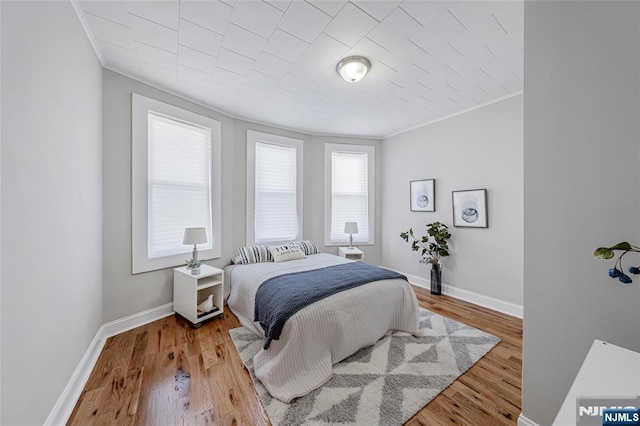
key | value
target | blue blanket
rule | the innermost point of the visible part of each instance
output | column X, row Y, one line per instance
column 278, row 298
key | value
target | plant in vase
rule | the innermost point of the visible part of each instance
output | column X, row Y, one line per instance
column 194, row 265
column 618, row 270
column 434, row 246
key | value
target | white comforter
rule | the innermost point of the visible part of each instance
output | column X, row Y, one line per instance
column 323, row 333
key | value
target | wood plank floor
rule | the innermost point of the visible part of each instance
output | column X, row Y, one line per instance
column 167, row 373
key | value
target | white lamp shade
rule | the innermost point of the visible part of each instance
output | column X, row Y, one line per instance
column 194, row 236
column 351, row 227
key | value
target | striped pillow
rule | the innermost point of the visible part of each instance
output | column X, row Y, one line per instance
column 308, row 247
column 255, row 254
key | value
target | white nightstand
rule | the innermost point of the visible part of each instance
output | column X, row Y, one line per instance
column 191, row 290
column 353, row 253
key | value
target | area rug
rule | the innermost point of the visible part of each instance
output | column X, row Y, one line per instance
column 383, row 384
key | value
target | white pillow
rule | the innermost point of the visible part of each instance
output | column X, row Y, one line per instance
column 286, row 252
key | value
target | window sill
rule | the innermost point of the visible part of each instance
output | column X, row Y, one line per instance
column 346, row 243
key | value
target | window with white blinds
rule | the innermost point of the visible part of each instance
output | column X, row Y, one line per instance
column 274, row 188
column 348, row 192
column 175, row 183
column 179, row 184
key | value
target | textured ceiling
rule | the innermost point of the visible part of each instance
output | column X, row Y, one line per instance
column 274, row 61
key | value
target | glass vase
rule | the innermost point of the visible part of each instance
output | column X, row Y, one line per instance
column 436, row 279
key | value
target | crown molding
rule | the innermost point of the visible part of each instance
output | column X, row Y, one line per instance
column 428, row 123
column 87, row 30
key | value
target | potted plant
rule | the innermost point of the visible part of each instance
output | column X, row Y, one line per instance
column 434, row 246
column 194, row 265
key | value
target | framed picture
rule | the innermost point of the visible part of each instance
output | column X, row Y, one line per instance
column 470, row 208
column 423, row 195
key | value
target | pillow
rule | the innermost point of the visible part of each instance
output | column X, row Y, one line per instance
column 308, row 247
column 255, row 254
column 286, row 252
column 237, row 260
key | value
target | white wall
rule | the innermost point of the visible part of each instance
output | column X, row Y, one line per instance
column 478, row 149
column 127, row 294
column 51, row 204
column 581, row 185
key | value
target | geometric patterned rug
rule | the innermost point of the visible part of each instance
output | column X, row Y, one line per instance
column 383, row 384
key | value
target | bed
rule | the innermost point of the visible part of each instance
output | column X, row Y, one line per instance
column 323, row 333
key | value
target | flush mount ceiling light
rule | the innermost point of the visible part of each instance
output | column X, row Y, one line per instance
column 353, row 68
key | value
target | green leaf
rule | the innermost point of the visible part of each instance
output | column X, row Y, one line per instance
column 621, row 246
column 603, row 253
column 432, row 245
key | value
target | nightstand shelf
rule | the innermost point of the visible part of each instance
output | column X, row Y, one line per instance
column 207, row 282
column 191, row 290
column 213, row 313
column 353, row 253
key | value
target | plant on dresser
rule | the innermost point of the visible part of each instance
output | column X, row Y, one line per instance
column 194, row 265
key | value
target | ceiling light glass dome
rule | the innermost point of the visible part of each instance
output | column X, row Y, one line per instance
column 353, row 68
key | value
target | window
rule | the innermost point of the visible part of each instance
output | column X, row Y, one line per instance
column 274, row 188
column 176, row 183
column 349, row 197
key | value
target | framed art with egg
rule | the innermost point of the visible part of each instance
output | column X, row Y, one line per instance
column 470, row 208
column 422, row 195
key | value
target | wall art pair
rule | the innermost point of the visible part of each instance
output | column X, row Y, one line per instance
column 469, row 206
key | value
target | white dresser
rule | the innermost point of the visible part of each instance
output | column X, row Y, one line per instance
column 607, row 371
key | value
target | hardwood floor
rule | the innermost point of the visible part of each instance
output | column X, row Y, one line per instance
column 167, row 373
column 489, row 393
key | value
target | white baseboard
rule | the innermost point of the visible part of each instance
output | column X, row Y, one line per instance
column 524, row 421
column 61, row 412
column 67, row 400
column 469, row 296
column 136, row 320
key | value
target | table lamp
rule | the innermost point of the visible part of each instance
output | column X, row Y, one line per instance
column 194, row 236
column 351, row 228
